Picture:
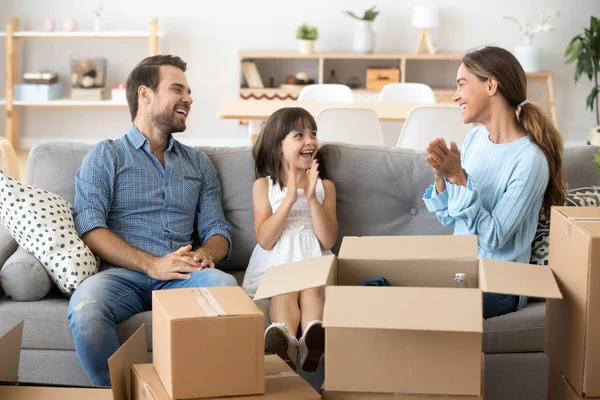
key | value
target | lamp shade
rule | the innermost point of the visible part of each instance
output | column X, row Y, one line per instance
column 425, row 17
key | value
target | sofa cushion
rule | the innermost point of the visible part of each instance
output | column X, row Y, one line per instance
column 46, row 326
column 24, row 278
column 519, row 332
column 42, row 223
column 578, row 197
column 7, row 247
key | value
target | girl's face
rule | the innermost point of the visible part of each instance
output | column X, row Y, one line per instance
column 299, row 148
column 471, row 95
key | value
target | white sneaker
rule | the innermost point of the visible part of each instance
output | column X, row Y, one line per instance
column 279, row 341
column 311, row 346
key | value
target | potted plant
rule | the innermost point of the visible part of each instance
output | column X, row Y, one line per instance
column 306, row 36
column 528, row 54
column 364, row 35
column 584, row 50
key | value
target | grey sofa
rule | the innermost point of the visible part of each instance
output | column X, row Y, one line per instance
column 379, row 193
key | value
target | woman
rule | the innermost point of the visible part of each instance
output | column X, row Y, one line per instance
column 509, row 171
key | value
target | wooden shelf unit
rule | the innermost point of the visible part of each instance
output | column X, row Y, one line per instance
column 13, row 42
column 540, row 86
column 401, row 58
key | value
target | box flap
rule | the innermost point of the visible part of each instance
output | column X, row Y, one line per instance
column 519, row 279
column 409, row 247
column 579, row 212
column 306, row 274
column 10, row 353
column 133, row 351
column 406, row 308
column 186, row 303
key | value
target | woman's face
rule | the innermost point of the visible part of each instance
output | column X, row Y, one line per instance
column 471, row 95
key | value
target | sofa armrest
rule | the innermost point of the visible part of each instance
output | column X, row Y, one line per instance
column 7, row 247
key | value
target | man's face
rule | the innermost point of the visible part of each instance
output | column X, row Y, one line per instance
column 172, row 101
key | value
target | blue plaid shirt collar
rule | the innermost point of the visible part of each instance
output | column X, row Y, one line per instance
column 138, row 139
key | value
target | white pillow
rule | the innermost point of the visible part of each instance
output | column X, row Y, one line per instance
column 42, row 223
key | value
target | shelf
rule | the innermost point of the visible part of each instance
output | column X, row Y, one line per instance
column 67, row 103
column 349, row 55
column 83, row 35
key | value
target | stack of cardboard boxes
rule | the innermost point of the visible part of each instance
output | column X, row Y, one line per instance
column 421, row 338
column 207, row 343
column 573, row 324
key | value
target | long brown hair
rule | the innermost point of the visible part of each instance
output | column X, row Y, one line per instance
column 499, row 64
column 267, row 149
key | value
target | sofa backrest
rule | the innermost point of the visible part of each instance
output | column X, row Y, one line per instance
column 379, row 189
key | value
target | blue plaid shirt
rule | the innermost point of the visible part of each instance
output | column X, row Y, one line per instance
column 121, row 186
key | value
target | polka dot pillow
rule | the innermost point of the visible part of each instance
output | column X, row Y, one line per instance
column 42, row 223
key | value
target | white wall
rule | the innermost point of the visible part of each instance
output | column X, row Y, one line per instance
column 208, row 35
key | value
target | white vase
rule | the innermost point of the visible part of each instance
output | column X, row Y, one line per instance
column 306, row 47
column 97, row 23
column 529, row 56
column 364, row 37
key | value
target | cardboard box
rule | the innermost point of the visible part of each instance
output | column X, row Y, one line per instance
column 327, row 395
column 559, row 387
column 333, row 395
column 378, row 77
column 421, row 336
column 133, row 351
column 202, row 337
column 573, row 324
column 281, row 384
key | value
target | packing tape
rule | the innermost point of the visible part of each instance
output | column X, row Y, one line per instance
column 580, row 219
column 281, row 375
column 209, row 304
column 147, row 393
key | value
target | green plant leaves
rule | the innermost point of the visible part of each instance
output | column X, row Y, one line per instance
column 591, row 97
column 584, row 51
column 307, row 32
column 369, row 15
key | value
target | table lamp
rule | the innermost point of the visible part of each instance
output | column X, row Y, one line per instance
column 425, row 17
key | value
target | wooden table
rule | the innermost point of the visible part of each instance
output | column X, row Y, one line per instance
column 257, row 111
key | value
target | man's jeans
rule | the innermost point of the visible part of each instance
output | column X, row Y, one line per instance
column 112, row 296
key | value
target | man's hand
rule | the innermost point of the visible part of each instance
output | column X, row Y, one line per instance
column 177, row 265
column 203, row 257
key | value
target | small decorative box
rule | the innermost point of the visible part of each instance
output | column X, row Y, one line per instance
column 33, row 92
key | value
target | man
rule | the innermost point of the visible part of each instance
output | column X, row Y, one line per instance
column 138, row 201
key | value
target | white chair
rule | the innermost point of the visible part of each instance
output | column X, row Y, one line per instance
column 349, row 125
column 326, row 92
column 425, row 123
column 407, row 93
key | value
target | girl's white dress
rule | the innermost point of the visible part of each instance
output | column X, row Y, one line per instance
column 297, row 241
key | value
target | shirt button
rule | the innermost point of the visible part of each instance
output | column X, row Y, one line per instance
column 414, row 211
column 166, row 183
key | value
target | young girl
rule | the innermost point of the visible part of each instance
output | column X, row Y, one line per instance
column 294, row 219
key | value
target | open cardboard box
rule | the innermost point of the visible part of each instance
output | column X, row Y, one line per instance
column 133, row 351
column 420, row 336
